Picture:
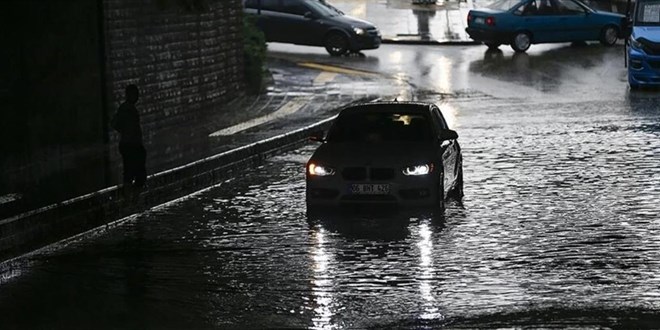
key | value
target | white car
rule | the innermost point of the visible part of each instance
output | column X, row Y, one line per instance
column 400, row 153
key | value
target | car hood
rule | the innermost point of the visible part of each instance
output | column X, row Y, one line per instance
column 351, row 21
column 397, row 154
column 651, row 33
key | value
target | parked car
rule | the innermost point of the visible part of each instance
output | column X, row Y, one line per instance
column 398, row 153
column 313, row 23
column 643, row 48
column 521, row 23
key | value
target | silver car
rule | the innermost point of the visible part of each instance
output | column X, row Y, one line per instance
column 400, row 153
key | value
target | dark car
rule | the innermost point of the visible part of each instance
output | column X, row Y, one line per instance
column 313, row 23
column 521, row 23
column 400, row 153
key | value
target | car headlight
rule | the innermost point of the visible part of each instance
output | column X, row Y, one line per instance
column 358, row 31
column 417, row 170
column 635, row 44
column 320, row 170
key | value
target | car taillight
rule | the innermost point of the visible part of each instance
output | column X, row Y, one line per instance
column 469, row 17
column 490, row 21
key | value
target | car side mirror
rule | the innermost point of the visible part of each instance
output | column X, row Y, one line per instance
column 317, row 137
column 310, row 15
column 447, row 134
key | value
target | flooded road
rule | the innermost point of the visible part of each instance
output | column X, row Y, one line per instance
column 559, row 227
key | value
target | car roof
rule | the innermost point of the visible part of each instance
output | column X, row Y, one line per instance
column 388, row 106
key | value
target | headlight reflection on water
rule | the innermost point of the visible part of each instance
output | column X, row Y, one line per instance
column 426, row 279
column 322, row 284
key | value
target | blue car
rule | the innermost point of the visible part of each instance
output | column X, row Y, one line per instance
column 523, row 23
column 644, row 45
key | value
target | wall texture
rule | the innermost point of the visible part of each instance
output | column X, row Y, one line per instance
column 65, row 65
column 186, row 56
column 52, row 117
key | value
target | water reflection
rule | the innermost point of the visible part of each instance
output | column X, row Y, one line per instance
column 644, row 101
column 549, row 68
column 322, row 286
column 558, row 227
column 444, row 78
column 427, row 280
column 423, row 17
column 377, row 242
column 362, row 225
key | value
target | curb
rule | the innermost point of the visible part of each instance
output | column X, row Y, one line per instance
column 32, row 230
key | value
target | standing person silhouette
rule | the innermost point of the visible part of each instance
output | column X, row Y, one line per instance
column 127, row 122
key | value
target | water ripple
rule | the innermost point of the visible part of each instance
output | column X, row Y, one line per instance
column 558, row 228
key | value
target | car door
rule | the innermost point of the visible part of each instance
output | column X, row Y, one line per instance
column 298, row 28
column 575, row 22
column 540, row 18
column 268, row 17
column 448, row 151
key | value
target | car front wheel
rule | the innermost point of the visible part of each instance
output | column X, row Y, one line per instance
column 609, row 35
column 458, row 187
column 336, row 44
column 521, row 42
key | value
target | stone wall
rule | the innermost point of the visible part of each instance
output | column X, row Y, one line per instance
column 185, row 56
column 65, row 65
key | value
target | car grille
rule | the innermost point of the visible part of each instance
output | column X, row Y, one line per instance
column 381, row 174
column 372, row 174
column 354, row 173
column 650, row 47
column 373, row 32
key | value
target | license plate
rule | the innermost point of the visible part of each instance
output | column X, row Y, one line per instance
column 479, row 20
column 369, row 189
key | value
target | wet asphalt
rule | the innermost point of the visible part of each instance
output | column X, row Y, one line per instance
column 558, row 226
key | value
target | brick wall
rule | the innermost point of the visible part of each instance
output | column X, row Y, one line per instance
column 185, row 59
column 65, row 65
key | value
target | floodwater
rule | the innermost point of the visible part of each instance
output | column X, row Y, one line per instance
column 558, row 228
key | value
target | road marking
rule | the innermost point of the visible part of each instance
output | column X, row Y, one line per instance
column 324, row 77
column 287, row 109
column 336, row 69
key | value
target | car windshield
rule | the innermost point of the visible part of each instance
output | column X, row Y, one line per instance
column 375, row 127
column 322, row 9
column 648, row 13
column 503, row 5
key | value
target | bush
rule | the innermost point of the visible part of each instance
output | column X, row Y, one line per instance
column 254, row 54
